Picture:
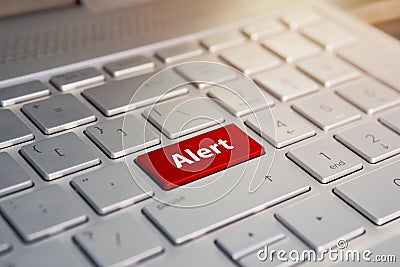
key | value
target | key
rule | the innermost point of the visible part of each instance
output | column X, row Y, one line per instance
column 222, row 40
column 298, row 18
column 369, row 95
column 291, row 46
column 281, row 183
column 262, row 28
column 59, row 113
column 326, row 110
column 135, row 92
column 59, row 156
column 375, row 194
column 392, row 120
column 121, row 241
column 22, row 92
column 12, row 131
column 250, row 58
column 371, row 141
column 329, row 35
column 128, row 67
column 240, row 97
column 289, row 127
column 313, row 221
column 179, row 52
column 122, row 136
column 248, row 236
column 14, row 177
column 286, row 83
column 182, row 117
column 42, row 213
column 325, row 159
column 110, row 188
column 78, row 79
column 328, row 70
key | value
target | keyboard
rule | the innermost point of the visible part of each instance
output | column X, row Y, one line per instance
column 280, row 131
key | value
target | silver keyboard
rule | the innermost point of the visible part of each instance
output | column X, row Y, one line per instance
column 73, row 194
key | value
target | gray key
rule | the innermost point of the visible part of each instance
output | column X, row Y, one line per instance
column 369, row 95
column 286, row 83
column 13, row 177
column 42, row 213
column 222, row 40
column 58, row 156
column 291, row 46
column 325, row 159
column 185, row 116
column 121, row 241
column 392, row 120
column 12, row 131
column 121, row 96
column 326, row 110
column 250, row 58
column 179, row 52
column 289, row 127
column 321, row 221
column 371, row 140
column 78, row 79
column 22, row 92
column 328, row 69
column 59, row 113
column 300, row 17
column 110, row 188
column 130, row 66
column 262, row 28
column 375, row 194
column 240, row 97
column 122, row 136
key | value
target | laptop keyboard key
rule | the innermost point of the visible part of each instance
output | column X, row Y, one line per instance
column 325, row 159
column 130, row 66
column 371, row 141
column 59, row 113
column 300, row 17
column 392, row 120
column 121, row 241
column 78, row 79
column 262, row 28
column 179, row 52
column 42, row 213
column 12, row 131
column 222, row 40
column 22, row 92
column 59, row 156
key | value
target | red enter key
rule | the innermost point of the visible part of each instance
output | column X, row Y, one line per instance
column 199, row 156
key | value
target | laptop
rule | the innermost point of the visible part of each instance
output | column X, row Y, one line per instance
column 197, row 133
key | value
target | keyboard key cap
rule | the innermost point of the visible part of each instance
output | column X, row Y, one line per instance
column 298, row 18
column 219, row 149
column 262, row 28
column 22, row 92
column 314, row 222
column 289, row 127
column 325, row 159
column 59, row 156
column 371, row 141
column 42, row 213
column 78, row 79
column 13, row 177
column 291, row 46
column 328, row 70
column 250, row 58
column 392, row 120
column 110, row 188
column 179, row 52
column 58, row 113
column 128, row 67
column 369, row 95
column 222, row 40
column 181, row 117
column 131, row 93
column 286, row 83
column 12, row 131
column 121, row 136
column 121, row 241
column 326, row 110
column 375, row 194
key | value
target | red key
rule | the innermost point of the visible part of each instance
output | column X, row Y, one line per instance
column 199, row 156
